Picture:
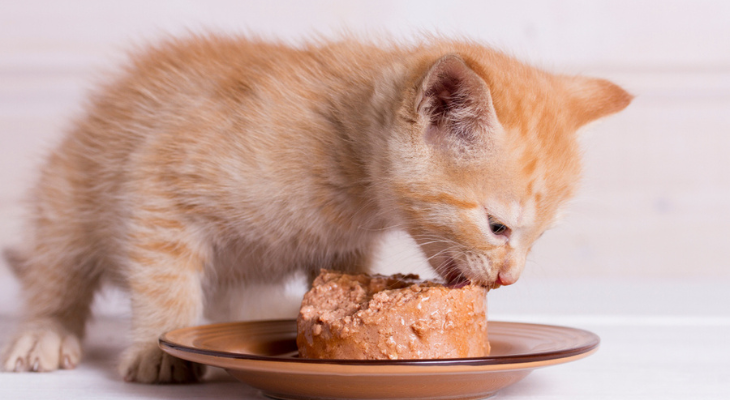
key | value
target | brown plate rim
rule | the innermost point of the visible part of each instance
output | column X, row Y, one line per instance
column 591, row 343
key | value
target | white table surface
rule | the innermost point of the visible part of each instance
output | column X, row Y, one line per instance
column 666, row 340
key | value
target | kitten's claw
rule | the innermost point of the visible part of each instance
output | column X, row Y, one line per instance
column 67, row 364
column 129, row 375
column 19, row 365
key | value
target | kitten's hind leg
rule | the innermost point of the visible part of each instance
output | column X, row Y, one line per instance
column 165, row 270
column 58, row 291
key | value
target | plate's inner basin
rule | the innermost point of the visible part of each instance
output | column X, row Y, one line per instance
column 278, row 339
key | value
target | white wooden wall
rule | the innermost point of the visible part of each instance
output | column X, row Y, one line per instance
column 656, row 199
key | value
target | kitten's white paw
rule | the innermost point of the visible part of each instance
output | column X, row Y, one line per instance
column 146, row 363
column 41, row 348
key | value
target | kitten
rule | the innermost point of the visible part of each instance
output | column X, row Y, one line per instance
column 212, row 160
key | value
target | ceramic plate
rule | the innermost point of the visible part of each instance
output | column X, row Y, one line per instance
column 263, row 354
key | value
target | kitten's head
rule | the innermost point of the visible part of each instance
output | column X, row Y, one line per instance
column 485, row 156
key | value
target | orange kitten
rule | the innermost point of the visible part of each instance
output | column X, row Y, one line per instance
column 213, row 160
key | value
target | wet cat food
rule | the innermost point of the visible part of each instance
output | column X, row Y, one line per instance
column 391, row 317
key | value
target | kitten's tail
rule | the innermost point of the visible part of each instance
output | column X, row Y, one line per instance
column 14, row 260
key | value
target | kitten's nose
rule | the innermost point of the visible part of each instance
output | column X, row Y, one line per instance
column 511, row 268
column 505, row 278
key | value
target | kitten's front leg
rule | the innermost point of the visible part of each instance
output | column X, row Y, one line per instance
column 165, row 271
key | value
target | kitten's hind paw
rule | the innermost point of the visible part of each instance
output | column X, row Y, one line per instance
column 146, row 363
column 42, row 347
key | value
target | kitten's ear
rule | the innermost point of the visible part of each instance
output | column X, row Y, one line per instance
column 592, row 98
column 455, row 101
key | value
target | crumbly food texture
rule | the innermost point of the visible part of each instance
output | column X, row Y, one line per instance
column 391, row 317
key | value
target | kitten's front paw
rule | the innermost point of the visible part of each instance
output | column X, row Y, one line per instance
column 146, row 363
column 42, row 347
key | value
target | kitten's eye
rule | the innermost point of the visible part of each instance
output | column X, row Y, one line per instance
column 498, row 228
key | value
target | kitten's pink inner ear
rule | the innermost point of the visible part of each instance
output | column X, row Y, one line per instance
column 591, row 99
column 455, row 100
